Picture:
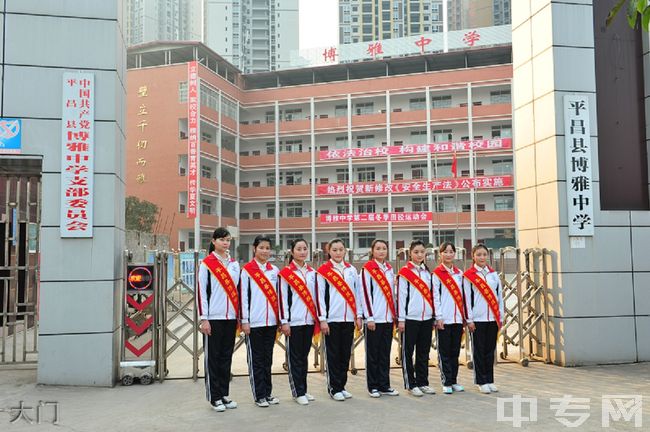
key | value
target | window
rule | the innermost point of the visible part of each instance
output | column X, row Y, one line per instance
column 366, row 174
column 342, row 207
column 441, row 101
column 504, row 202
column 341, row 142
column 500, row 97
column 288, row 238
column 418, row 171
column 294, row 210
column 206, row 171
column 293, row 178
column 419, row 137
column 206, row 206
column 444, row 236
column 291, row 146
column 445, row 204
column 365, row 239
column 270, row 147
column 270, row 116
column 502, row 131
column 421, row 235
column 504, row 233
column 244, row 216
column 342, row 175
column 501, row 166
column 417, row 104
column 442, row 135
column 479, row 207
column 293, row 114
column 364, row 108
column 340, row 110
column 366, row 206
column 182, row 92
column 257, row 215
column 365, row 141
column 443, row 169
column 270, row 179
column 398, row 176
column 270, row 211
column 345, row 237
column 420, row 204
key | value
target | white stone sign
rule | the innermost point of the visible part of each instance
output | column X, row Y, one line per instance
column 580, row 202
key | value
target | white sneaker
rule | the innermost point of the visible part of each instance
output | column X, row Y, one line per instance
column 484, row 389
column 338, row 396
column 427, row 390
column 447, row 390
column 262, row 403
column 458, row 387
column 229, row 403
column 272, row 400
column 415, row 391
column 218, row 406
column 374, row 393
column 302, row 400
column 493, row 388
column 347, row 394
column 391, row 392
column 309, row 397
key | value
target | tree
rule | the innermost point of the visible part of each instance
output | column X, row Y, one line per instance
column 636, row 10
column 140, row 214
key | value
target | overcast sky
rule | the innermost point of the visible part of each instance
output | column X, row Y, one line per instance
column 318, row 23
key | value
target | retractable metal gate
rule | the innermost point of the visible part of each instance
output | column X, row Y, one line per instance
column 19, row 263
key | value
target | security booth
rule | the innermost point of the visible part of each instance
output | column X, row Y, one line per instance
column 139, row 330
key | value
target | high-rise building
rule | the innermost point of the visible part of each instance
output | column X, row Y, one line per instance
column 253, row 35
column 368, row 20
column 163, row 20
column 336, row 152
column 463, row 14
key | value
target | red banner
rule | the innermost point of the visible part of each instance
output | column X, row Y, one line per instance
column 192, row 137
column 414, row 149
column 376, row 217
column 445, row 184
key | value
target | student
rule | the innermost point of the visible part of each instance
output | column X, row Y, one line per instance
column 484, row 297
column 340, row 312
column 260, row 319
column 450, row 315
column 218, row 304
column 298, row 314
column 377, row 280
column 415, row 320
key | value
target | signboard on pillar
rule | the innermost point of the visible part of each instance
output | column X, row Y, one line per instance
column 192, row 137
column 577, row 139
column 77, row 161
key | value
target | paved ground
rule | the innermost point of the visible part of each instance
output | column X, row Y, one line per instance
column 179, row 404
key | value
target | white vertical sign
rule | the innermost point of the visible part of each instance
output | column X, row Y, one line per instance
column 580, row 202
column 77, row 161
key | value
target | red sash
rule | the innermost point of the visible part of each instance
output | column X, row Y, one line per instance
column 418, row 283
column 485, row 290
column 300, row 287
column 334, row 279
column 375, row 272
column 450, row 283
column 265, row 286
column 224, row 278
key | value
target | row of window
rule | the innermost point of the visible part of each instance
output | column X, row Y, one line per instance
column 445, row 204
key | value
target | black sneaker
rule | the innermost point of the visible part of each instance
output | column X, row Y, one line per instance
column 374, row 393
column 389, row 392
column 262, row 403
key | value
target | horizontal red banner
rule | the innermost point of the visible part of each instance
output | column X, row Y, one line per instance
column 377, row 217
column 448, row 184
column 411, row 149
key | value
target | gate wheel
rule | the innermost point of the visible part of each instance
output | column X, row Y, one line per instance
column 146, row 378
column 285, row 366
column 503, row 355
column 127, row 380
column 524, row 362
column 354, row 371
column 470, row 365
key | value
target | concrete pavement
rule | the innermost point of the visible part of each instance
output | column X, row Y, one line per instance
column 180, row 404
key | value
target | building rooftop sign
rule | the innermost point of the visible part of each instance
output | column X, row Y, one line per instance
column 398, row 47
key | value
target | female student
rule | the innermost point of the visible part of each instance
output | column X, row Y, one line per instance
column 218, row 304
column 298, row 314
column 484, row 297
column 260, row 319
column 340, row 311
column 450, row 315
column 415, row 320
column 377, row 281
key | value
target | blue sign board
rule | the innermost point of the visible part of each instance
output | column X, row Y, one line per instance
column 10, row 135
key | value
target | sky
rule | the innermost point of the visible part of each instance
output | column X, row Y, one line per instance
column 319, row 23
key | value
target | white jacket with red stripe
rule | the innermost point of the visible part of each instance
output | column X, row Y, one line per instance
column 446, row 309
column 411, row 304
column 293, row 309
column 255, row 308
column 375, row 306
column 215, row 304
column 332, row 305
column 478, row 309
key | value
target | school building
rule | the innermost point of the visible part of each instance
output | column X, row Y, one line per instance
column 375, row 149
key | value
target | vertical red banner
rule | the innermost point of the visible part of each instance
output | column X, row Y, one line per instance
column 192, row 137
